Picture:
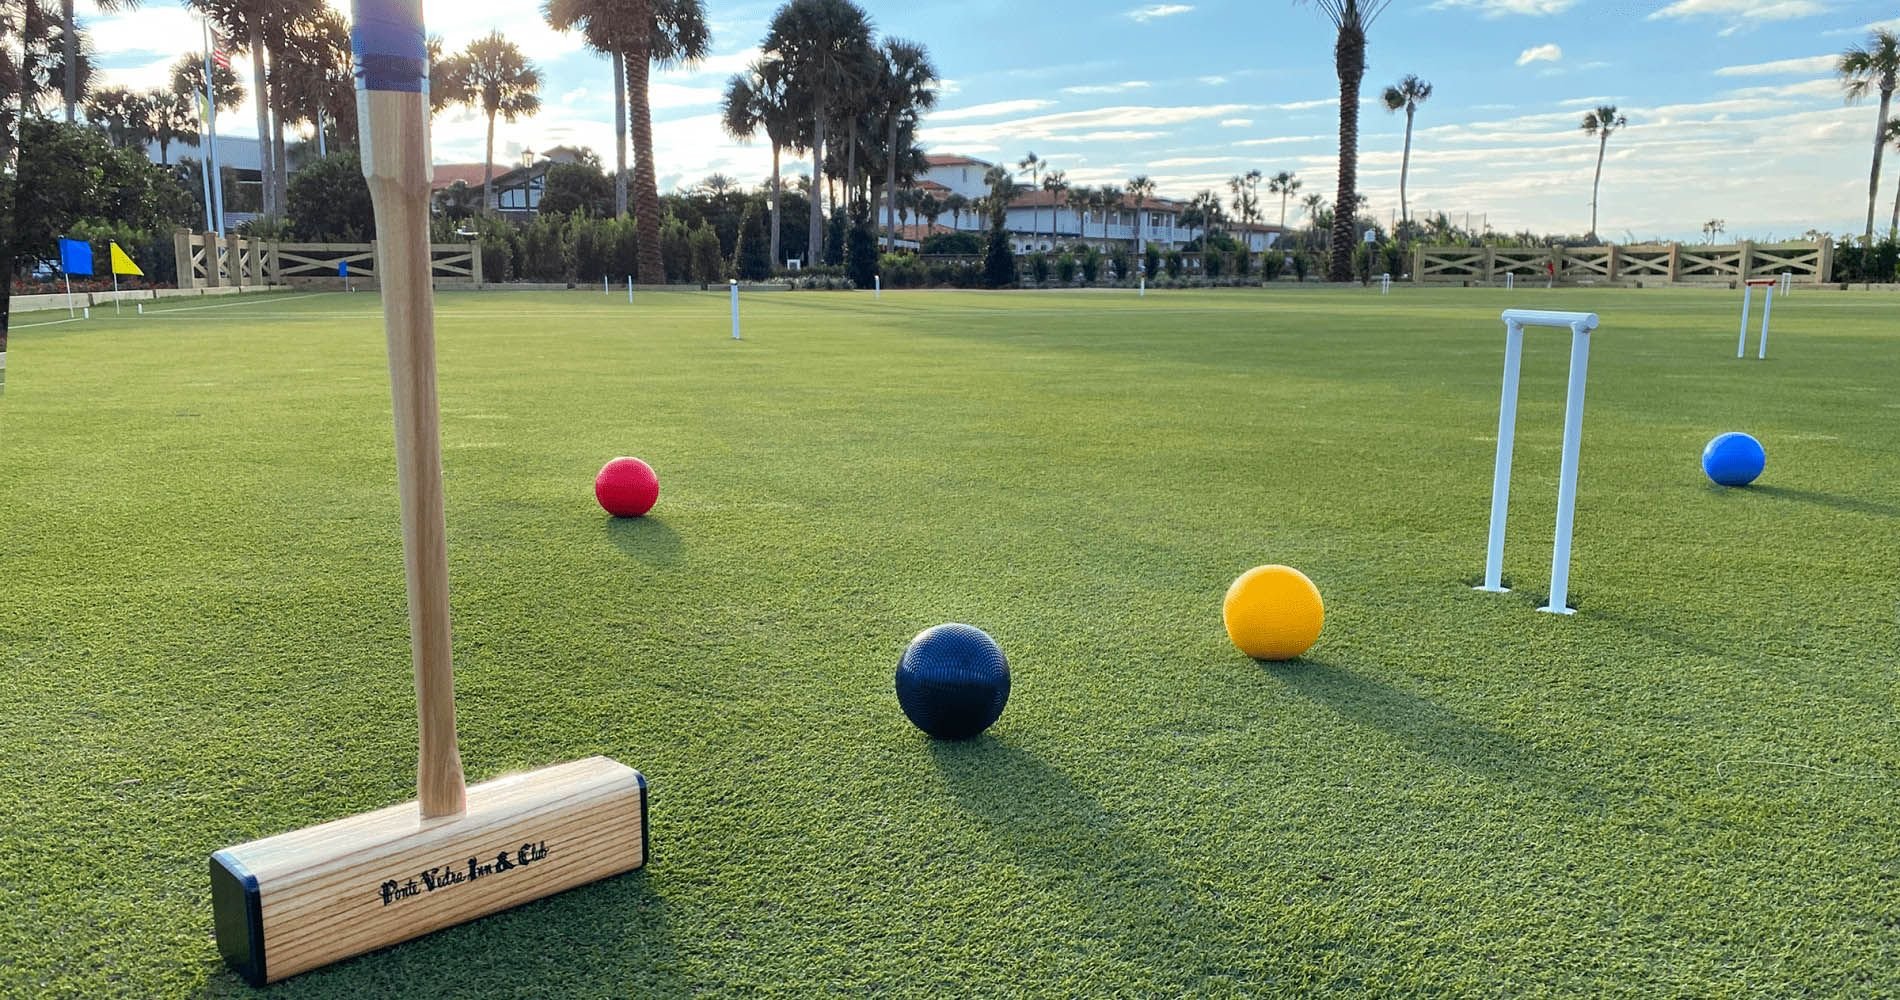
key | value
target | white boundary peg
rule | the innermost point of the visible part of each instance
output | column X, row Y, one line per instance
column 735, row 308
column 630, row 289
column 1510, row 280
column 1580, row 325
column 1767, row 285
column 1385, row 284
column 1787, row 283
column 877, row 286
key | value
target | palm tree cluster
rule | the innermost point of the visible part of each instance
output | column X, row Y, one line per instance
column 636, row 35
column 1874, row 67
column 825, row 85
column 1351, row 20
column 300, row 70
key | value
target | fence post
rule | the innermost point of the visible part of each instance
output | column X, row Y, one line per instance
column 181, row 252
column 1824, row 268
column 1746, row 261
column 1612, row 266
column 1418, row 264
column 234, row 254
column 1490, row 265
column 475, row 260
column 1556, row 264
column 276, row 250
column 214, row 250
column 1675, row 262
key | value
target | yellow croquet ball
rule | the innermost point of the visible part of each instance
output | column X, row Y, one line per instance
column 1273, row 612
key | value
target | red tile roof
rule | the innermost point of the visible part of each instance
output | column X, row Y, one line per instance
column 941, row 160
column 447, row 174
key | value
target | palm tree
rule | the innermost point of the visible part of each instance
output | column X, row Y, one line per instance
column 1409, row 94
column 909, row 90
column 1032, row 165
column 120, row 112
column 1713, row 228
column 1351, row 20
column 1246, row 191
column 170, row 116
column 69, row 45
column 188, row 77
column 956, row 205
column 1081, row 199
column 565, row 16
column 1286, row 186
column 1002, row 185
column 1056, row 183
column 1142, row 188
column 313, row 80
column 1109, row 198
column 755, row 100
column 818, row 43
column 1599, row 123
column 1872, row 67
column 260, row 27
column 1210, row 211
column 501, row 83
column 1893, row 136
column 930, row 207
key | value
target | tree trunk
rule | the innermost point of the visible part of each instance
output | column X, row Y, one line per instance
column 69, row 48
column 1894, row 227
column 1349, row 58
column 1405, row 165
column 1603, row 143
column 620, row 135
column 851, row 172
column 280, row 158
column 488, row 169
column 646, row 180
column 890, row 183
column 814, row 241
column 1880, row 147
column 267, row 189
column 777, row 187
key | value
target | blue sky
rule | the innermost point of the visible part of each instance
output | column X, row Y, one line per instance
column 1734, row 112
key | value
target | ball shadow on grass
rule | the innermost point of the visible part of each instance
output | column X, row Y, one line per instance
column 647, row 539
column 1432, row 731
column 1854, row 505
column 1069, row 841
column 608, row 938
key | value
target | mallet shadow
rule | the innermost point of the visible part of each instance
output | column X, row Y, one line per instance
column 608, row 938
column 1430, row 729
column 648, row 539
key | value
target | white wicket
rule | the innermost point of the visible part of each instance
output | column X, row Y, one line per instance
column 1580, row 325
column 1385, row 284
column 735, row 308
column 1767, row 308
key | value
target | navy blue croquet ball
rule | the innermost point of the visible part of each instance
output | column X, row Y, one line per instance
column 953, row 681
column 1733, row 459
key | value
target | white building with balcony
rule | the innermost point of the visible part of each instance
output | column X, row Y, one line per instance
column 1042, row 220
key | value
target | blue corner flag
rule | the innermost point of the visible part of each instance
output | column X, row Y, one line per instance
column 343, row 268
column 75, row 257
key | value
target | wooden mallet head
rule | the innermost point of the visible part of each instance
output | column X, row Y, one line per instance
column 299, row 900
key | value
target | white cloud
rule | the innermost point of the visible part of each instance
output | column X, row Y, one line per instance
column 1108, row 88
column 1285, row 140
column 1549, row 52
column 1805, row 64
column 1156, row 11
column 1066, row 123
column 1236, row 122
column 1324, row 102
column 1213, row 81
column 1503, row 8
column 1741, row 13
column 993, row 109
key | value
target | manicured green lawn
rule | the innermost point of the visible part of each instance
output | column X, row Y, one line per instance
column 1688, row 789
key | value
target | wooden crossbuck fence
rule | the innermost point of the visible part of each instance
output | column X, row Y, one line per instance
column 207, row 261
column 1657, row 263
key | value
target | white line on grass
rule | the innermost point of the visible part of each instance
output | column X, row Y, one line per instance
column 57, row 322
column 227, row 305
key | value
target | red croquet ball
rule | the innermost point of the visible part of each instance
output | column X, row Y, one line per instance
column 626, row 487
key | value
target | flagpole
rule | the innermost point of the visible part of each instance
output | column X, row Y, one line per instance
column 217, row 171
column 204, row 129
column 115, row 288
column 69, row 291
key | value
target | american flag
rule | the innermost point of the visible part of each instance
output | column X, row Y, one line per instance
column 219, row 56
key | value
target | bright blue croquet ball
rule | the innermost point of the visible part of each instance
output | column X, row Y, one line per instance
column 953, row 681
column 1733, row 459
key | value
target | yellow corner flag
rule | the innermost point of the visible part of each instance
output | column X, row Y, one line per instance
column 122, row 264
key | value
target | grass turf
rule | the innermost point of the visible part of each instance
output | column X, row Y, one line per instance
column 1686, row 790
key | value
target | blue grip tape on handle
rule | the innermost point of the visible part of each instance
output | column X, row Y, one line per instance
column 391, row 51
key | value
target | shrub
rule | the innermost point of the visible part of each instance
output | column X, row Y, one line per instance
column 585, row 249
column 1302, row 263
column 963, row 244
column 1151, row 261
column 861, row 258
column 498, row 260
column 623, row 259
column 676, row 253
column 834, row 240
column 1065, row 269
column 1091, row 266
column 1122, row 264
column 709, row 265
column 1243, row 263
column 1039, row 267
column 1175, row 263
column 329, row 201
column 753, row 262
column 543, row 250
column 1213, row 262
column 999, row 264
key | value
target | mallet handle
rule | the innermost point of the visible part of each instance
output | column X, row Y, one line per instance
column 395, row 154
